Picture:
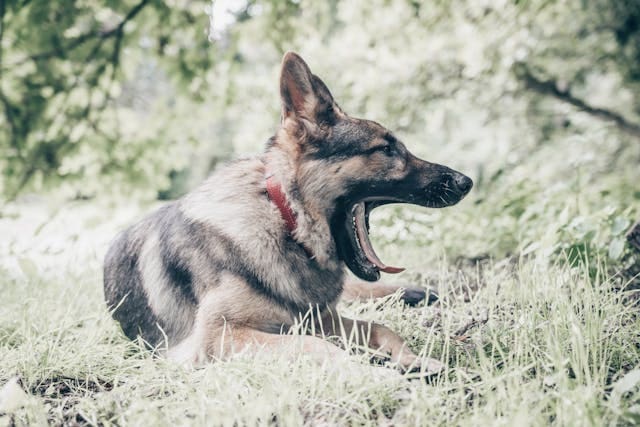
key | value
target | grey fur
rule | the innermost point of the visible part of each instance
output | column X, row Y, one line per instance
column 226, row 225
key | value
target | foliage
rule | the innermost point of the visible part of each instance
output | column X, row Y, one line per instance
column 69, row 111
column 123, row 92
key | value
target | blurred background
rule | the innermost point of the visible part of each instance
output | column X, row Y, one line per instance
column 107, row 107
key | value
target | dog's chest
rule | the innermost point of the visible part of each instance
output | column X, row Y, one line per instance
column 299, row 278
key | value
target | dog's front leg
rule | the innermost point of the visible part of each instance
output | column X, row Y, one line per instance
column 378, row 338
column 355, row 290
column 229, row 339
column 232, row 318
column 246, row 339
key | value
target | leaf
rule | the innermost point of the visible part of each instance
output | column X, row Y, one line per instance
column 531, row 247
column 28, row 267
column 12, row 396
column 627, row 383
column 620, row 225
column 616, row 248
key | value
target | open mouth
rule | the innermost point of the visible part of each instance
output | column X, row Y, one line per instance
column 350, row 225
column 360, row 223
column 355, row 246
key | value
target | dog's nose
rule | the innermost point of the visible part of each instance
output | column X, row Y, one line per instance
column 462, row 183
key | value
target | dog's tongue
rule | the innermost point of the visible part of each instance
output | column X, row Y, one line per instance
column 365, row 243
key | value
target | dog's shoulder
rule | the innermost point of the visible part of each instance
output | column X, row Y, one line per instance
column 234, row 182
column 233, row 199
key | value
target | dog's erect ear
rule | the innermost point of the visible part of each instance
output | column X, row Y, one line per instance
column 304, row 95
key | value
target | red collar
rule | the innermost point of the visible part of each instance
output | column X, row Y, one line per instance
column 277, row 196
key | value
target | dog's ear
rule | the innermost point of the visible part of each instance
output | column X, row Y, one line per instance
column 304, row 96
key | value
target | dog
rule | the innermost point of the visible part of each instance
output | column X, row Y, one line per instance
column 234, row 264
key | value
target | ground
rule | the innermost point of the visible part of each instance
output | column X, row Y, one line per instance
column 526, row 342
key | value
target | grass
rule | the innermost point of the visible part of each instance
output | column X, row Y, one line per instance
column 527, row 342
column 534, row 322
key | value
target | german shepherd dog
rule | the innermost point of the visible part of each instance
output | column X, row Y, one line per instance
column 234, row 264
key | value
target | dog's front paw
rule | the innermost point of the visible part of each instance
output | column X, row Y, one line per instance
column 413, row 296
column 431, row 367
column 427, row 369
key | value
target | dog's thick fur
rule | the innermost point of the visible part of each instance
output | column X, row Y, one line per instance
column 218, row 271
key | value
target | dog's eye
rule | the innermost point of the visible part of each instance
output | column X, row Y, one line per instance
column 387, row 150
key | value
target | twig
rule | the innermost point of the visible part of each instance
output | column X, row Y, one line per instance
column 550, row 87
column 459, row 333
column 82, row 39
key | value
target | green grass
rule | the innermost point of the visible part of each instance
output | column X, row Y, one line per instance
column 526, row 343
column 535, row 324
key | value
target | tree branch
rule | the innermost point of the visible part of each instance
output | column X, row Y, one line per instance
column 132, row 14
column 116, row 34
column 550, row 88
column 116, row 31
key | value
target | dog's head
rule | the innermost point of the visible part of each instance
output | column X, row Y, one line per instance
column 345, row 167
